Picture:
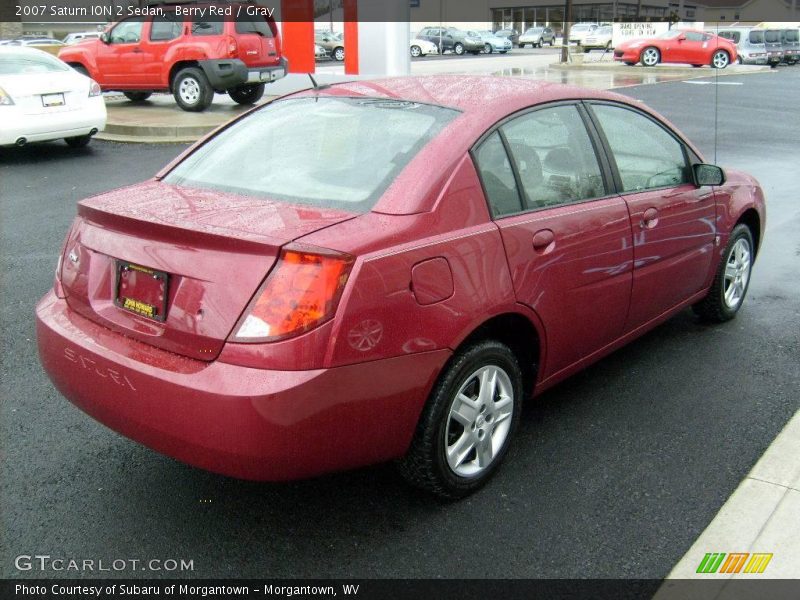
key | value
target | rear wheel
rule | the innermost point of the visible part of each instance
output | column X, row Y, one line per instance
column 650, row 57
column 247, row 94
column 630, row 64
column 458, row 49
column 731, row 280
column 137, row 96
column 720, row 60
column 467, row 424
column 488, row 49
column 191, row 90
column 80, row 69
column 338, row 54
column 697, row 66
column 80, row 141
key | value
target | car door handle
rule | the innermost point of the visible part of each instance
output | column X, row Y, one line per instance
column 136, row 51
column 649, row 218
column 543, row 240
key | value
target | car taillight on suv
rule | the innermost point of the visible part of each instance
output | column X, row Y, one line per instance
column 233, row 47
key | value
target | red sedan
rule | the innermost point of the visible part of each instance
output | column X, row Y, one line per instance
column 696, row 48
column 387, row 270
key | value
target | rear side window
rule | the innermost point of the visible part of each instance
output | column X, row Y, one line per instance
column 497, row 176
column 647, row 156
column 257, row 25
column 200, row 27
column 165, row 27
column 756, row 37
column 313, row 151
column 734, row 36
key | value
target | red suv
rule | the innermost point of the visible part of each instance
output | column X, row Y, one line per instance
column 192, row 50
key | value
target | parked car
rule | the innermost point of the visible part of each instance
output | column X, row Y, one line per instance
column 790, row 40
column 34, row 41
column 452, row 39
column 42, row 99
column 511, row 34
column 74, row 38
column 320, row 52
column 773, row 43
column 678, row 46
column 579, row 31
column 268, row 302
column 601, row 38
column 332, row 42
column 492, row 42
column 419, row 47
column 191, row 57
column 749, row 44
column 537, row 37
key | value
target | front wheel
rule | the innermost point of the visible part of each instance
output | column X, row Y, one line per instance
column 416, row 51
column 650, row 57
column 191, row 90
column 488, row 49
column 80, row 141
column 720, row 60
column 247, row 94
column 137, row 96
column 338, row 54
column 731, row 280
column 467, row 424
column 458, row 49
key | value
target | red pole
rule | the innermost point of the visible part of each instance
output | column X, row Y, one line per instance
column 298, row 35
column 351, row 37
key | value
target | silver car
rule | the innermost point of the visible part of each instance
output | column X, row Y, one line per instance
column 749, row 44
column 536, row 37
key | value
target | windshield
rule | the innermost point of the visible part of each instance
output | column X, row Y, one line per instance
column 325, row 152
column 535, row 30
column 24, row 63
column 604, row 31
column 668, row 35
column 756, row 37
column 582, row 27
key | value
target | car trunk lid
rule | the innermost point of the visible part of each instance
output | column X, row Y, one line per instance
column 175, row 267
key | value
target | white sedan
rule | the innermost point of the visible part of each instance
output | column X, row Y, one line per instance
column 42, row 99
column 422, row 47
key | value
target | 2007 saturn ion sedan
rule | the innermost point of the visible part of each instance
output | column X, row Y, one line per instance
column 387, row 270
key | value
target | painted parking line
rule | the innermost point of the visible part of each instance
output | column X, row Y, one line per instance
column 714, row 82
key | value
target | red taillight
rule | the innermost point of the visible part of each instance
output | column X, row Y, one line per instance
column 300, row 293
column 233, row 48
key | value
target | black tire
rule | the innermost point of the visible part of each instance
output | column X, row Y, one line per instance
column 247, row 94
column 80, row 69
column 80, row 141
column 630, row 64
column 459, row 48
column 201, row 94
column 552, row 42
column 426, row 465
column 586, row 50
column 721, row 54
column 697, row 66
column 137, row 96
column 648, row 50
column 488, row 49
column 338, row 54
column 714, row 308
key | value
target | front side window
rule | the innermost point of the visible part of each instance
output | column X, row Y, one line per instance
column 324, row 152
column 127, row 32
column 647, row 156
column 554, row 157
column 693, row 36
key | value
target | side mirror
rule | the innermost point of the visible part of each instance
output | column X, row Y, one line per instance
column 104, row 37
column 682, row 37
column 708, row 175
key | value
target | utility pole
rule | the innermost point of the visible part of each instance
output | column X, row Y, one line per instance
column 565, row 35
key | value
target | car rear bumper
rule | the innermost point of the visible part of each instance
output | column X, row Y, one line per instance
column 54, row 126
column 238, row 421
column 224, row 74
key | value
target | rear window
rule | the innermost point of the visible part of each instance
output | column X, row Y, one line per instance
column 255, row 25
column 772, row 36
column 313, row 151
column 790, row 35
column 756, row 37
column 24, row 63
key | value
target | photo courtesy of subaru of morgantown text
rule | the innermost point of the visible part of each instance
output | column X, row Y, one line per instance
column 326, row 283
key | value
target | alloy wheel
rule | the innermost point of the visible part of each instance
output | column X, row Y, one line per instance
column 720, row 60
column 479, row 421
column 737, row 273
column 650, row 57
column 416, row 51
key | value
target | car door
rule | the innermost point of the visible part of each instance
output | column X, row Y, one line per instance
column 567, row 235
column 120, row 60
column 686, row 48
column 673, row 220
column 164, row 28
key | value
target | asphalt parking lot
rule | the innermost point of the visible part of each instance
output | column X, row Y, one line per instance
column 613, row 473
